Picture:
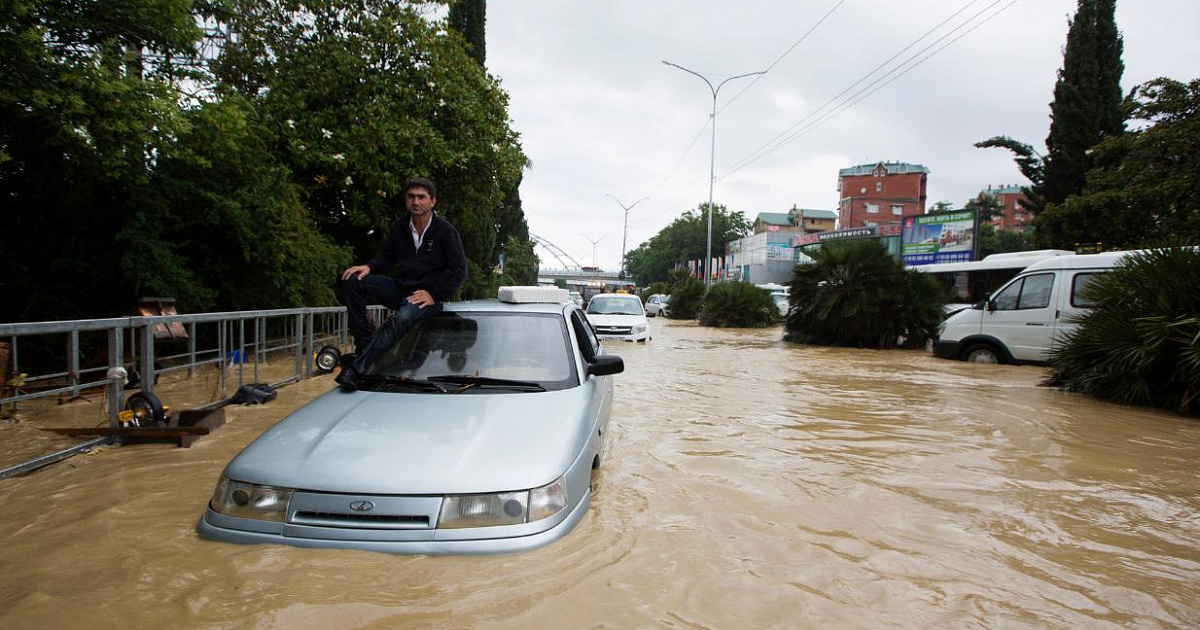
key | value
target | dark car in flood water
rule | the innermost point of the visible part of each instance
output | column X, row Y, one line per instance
column 477, row 433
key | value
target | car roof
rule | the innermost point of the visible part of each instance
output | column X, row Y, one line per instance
column 496, row 306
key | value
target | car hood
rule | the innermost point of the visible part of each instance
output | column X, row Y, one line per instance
column 403, row 443
column 616, row 320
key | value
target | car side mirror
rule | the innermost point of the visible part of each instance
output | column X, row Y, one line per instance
column 605, row 365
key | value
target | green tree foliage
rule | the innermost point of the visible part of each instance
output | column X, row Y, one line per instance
column 684, row 239
column 1140, row 344
column 987, row 205
column 942, row 206
column 687, row 295
column 993, row 241
column 520, row 263
column 364, row 95
column 1087, row 98
column 469, row 17
column 1086, row 108
column 1145, row 188
column 738, row 305
column 82, row 112
column 855, row 294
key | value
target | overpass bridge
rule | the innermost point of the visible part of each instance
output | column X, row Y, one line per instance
column 579, row 278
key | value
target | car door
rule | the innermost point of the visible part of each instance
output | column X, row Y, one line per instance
column 1073, row 301
column 1022, row 315
column 599, row 388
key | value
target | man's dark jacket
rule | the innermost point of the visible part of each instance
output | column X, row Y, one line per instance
column 439, row 268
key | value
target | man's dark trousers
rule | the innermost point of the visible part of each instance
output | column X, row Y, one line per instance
column 379, row 289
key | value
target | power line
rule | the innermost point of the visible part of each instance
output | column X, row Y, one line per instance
column 785, row 53
column 779, row 140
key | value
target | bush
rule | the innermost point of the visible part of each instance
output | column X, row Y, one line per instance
column 687, row 294
column 855, row 294
column 738, row 305
column 1140, row 344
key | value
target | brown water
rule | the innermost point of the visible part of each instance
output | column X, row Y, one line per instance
column 749, row 484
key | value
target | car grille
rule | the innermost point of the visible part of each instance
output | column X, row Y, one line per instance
column 614, row 330
column 359, row 520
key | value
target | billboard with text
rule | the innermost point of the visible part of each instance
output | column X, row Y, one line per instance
column 939, row 237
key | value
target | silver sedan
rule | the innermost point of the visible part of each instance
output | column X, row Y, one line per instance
column 477, row 433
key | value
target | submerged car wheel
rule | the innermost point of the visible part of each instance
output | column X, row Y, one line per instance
column 982, row 353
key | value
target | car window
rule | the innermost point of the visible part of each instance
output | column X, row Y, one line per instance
column 1078, row 284
column 1030, row 292
column 521, row 346
column 605, row 305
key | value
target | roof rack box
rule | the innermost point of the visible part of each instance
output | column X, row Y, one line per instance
column 533, row 295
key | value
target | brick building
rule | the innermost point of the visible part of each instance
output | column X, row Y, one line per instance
column 880, row 194
column 1015, row 217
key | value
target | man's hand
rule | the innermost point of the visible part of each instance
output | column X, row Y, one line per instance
column 421, row 298
column 362, row 270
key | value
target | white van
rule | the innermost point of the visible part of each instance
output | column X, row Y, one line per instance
column 1018, row 322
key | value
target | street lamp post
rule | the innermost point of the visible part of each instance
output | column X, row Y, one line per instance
column 594, row 246
column 712, row 158
column 625, row 230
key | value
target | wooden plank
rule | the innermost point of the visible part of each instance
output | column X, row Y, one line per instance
column 169, row 432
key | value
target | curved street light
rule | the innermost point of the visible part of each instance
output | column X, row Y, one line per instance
column 625, row 230
column 712, row 157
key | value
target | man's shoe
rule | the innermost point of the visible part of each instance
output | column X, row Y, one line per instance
column 347, row 378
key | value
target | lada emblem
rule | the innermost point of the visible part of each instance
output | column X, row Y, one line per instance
column 362, row 506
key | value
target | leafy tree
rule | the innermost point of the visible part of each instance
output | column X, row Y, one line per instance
column 363, row 95
column 684, row 239
column 855, row 294
column 520, row 263
column 469, row 17
column 1086, row 108
column 687, row 295
column 993, row 241
column 942, row 206
column 738, row 305
column 82, row 112
column 1145, row 188
column 1140, row 344
column 987, row 205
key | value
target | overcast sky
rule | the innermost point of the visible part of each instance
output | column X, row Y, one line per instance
column 599, row 114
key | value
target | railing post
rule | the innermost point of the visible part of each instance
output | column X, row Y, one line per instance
column 221, row 358
column 116, row 389
column 147, row 358
column 308, row 345
column 241, row 352
column 191, row 349
column 298, row 322
column 73, row 361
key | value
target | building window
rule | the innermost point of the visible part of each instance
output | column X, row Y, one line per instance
column 872, row 209
column 878, row 186
column 897, row 209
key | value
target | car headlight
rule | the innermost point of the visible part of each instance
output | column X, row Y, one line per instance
column 502, row 508
column 247, row 500
column 638, row 329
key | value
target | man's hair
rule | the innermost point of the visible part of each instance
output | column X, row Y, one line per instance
column 421, row 182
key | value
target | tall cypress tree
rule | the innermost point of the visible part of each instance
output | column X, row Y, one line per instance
column 469, row 17
column 1087, row 99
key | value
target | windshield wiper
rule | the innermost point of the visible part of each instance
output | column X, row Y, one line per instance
column 387, row 380
column 487, row 382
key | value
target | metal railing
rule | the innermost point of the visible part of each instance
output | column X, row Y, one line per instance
column 299, row 331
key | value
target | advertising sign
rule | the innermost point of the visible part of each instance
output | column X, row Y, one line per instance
column 939, row 237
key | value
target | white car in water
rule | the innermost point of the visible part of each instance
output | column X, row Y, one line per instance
column 619, row 316
column 657, row 304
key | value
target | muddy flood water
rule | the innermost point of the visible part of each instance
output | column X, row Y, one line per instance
column 748, row 483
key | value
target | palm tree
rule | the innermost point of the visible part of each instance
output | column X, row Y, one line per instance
column 738, row 305
column 856, row 294
column 1140, row 343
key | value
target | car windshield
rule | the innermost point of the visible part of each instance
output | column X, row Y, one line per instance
column 604, row 305
column 489, row 352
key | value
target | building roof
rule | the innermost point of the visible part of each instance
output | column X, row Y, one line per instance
column 774, row 218
column 1003, row 190
column 809, row 213
column 893, row 168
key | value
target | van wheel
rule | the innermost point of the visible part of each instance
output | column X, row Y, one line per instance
column 982, row 353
